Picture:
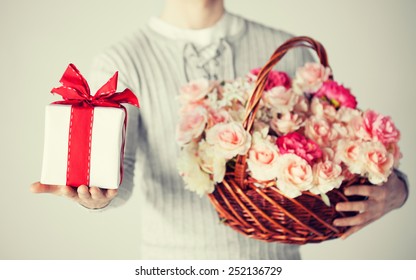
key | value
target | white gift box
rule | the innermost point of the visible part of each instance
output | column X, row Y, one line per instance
column 106, row 146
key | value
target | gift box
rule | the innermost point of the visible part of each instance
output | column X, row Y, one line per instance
column 85, row 134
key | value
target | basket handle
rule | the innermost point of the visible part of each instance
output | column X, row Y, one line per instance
column 301, row 41
column 253, row 103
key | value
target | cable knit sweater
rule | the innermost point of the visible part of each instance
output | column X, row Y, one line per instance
column 154, row 63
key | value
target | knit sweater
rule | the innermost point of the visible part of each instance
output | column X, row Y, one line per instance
column 177, row 223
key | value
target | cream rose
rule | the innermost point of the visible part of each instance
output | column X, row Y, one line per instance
column 294, row 175
column 327, row 175
column 194, row 91
column 394, row 149
column 195, row 179
column 210, row 162
column 378, row 163
column 191, row 125
column 350, row 153
column 323, row 109
column 310, row 77
column 262, row 159
column 319, row 130
column 279, row 99
column 286, row 123
column 229, row 139
column 346, row 114
column 217, row 116
column 302, row 104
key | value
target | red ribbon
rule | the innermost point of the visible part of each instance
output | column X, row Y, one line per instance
column 76, row 92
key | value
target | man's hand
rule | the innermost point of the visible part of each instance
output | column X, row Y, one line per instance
column 93, row 197
column 381, row 200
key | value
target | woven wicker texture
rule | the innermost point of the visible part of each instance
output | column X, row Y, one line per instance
column 265, row 213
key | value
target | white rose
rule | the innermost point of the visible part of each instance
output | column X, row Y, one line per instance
column 211, row 163
column 195, row 179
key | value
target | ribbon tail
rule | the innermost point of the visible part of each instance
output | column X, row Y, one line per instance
column 108, row 93
column 126, row 96
column 108, row 88
column 67, row 93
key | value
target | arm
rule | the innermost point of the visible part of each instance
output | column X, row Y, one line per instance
column 381, row 200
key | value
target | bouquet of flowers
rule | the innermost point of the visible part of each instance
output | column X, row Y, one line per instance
column 266, row 140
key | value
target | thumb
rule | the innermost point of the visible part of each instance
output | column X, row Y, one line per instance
column 38, row 187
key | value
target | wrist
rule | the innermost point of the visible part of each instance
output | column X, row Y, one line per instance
column 402, row 182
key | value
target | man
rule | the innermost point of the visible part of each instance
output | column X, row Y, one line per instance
column 194, row 38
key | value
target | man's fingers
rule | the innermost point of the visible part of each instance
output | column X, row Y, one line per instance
column 359, row 219
column 83, row 193
column 69, row 192
column 42, row 188
column 358, row 206
column 97, row 193
column 111, row 193
column 362, row 190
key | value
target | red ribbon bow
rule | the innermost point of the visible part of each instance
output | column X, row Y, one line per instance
column 76, row 92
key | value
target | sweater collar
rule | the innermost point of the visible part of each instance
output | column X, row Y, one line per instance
column 228, row 26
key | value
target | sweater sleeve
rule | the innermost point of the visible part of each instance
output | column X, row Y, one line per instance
column 103, row 67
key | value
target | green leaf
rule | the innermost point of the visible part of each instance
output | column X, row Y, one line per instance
column 325, row 199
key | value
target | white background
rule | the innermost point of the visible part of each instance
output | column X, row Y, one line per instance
column 371, row 48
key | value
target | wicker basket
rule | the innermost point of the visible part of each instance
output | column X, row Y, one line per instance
column 265, row 213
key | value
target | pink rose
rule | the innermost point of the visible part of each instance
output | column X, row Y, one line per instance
column 262, row 160
column 294, row 175
column 310, row 77
column 275, row 78
column 296, row 143
column 229, row 139
column 327, row 176
column 285, row 123
column 194, row 91
column 381, row 128
column 191, row 125
column 378, row 163
column 337, row 94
